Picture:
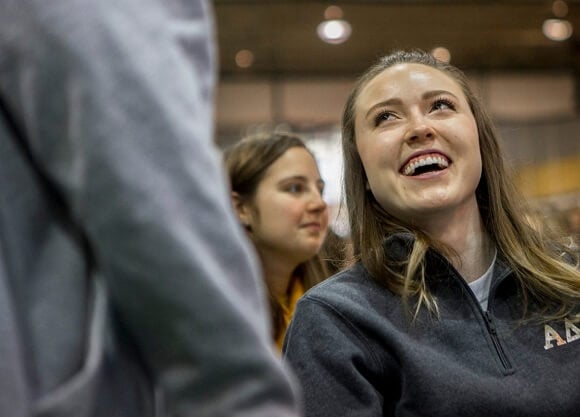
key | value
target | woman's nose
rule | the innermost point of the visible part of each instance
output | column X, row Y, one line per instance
column 420, row 129
column 317, row 202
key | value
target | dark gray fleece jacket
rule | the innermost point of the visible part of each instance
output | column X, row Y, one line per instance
column 355, row 353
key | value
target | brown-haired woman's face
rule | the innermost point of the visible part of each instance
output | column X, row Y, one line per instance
column 418, row 142
column 287, row 215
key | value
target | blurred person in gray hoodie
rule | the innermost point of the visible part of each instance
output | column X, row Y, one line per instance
column 127, row 287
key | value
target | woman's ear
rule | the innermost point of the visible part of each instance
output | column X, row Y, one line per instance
column 242, row 209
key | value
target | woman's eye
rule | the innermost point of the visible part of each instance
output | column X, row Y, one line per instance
column 294, row 188
column 443, row 104
column 383, row 116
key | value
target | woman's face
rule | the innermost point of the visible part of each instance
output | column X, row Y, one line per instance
column 288, row 216
column 418, row 142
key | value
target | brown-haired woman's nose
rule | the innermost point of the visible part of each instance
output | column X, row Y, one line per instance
column 420, row 130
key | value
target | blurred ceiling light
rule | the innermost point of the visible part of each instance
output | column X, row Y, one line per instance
column 244, row 58
column 334, row 31
column 333, row 12
column 559, row 8
column 557, row 29
column 441, row 54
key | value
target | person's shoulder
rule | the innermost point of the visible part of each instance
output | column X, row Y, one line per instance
column 352, row 277
column 353, row 285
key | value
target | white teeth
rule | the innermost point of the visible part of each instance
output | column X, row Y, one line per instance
column 430, row 160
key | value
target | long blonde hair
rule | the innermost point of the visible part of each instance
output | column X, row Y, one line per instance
column 537, row 260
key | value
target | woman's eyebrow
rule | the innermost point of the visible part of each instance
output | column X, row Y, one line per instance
column 395, row 100
column 434, row 93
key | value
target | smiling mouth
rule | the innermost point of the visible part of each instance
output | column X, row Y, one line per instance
column 425, row 163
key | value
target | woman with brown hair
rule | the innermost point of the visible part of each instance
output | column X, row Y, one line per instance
column 456, row 306
column 277, row 194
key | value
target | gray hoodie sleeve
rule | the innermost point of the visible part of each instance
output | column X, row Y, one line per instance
column 115, row 97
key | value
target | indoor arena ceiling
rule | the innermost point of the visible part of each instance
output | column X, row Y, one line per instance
column 481, row 35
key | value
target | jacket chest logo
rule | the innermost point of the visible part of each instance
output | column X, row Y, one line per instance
column 551, row 335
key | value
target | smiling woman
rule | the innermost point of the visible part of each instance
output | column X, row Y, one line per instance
column 418, row 143
column 277, row 194
column 457, row 301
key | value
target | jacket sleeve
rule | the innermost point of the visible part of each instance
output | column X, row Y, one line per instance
column 115, row 98
column 335, row 367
